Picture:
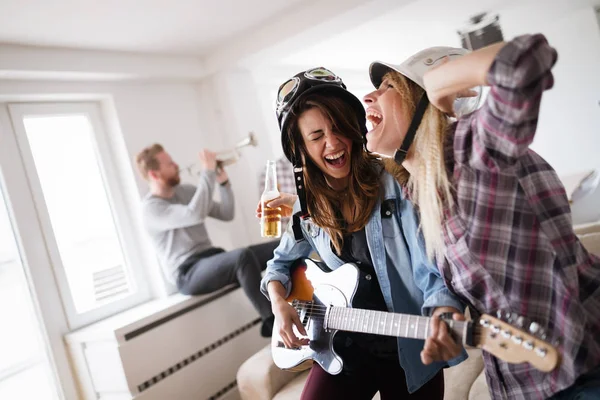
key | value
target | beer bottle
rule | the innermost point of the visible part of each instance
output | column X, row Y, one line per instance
column 270, row 222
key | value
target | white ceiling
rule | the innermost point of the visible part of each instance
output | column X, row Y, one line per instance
column 181, row 27
column 191, row 39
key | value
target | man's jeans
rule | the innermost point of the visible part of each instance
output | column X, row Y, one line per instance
column 242, row 266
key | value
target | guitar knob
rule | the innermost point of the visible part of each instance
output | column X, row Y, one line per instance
column 510, row 317
column 517, row 339
column 542, row 334
column 534, row 327
column 541, row 352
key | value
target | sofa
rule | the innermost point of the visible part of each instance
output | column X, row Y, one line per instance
column 259, row 379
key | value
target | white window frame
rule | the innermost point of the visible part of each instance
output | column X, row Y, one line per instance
column 116, row 190
column 36, row 263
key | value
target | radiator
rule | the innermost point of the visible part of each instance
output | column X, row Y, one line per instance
column 188, row 350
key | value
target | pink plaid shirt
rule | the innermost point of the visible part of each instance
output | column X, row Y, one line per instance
column 510, row 241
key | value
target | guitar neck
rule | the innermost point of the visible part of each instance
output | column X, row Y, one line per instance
column 391, row 324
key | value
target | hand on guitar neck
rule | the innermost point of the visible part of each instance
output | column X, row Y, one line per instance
column 440, row 346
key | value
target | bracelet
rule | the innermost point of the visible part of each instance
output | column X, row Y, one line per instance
column 224, row 183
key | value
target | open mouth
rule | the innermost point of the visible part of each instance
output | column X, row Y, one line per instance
column 336, row 159
column 374, row 118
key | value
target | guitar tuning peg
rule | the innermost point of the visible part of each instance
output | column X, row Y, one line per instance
column 534, row 327
column 520, row 321
column 509, row 317
column 541, row 331
column 499, row 314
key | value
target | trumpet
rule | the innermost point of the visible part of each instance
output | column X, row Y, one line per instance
column 226, row 157
column 229, row 157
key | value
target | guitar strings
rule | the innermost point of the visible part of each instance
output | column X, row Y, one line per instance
column 320, row 311
column 317, row 310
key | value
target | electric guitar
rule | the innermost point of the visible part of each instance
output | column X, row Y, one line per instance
column 323, row 301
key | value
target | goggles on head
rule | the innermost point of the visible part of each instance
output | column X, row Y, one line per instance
column 295, row 86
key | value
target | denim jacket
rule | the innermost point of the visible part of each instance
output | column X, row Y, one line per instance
column 415, row 286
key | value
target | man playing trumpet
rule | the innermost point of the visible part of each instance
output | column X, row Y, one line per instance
column 174, row 216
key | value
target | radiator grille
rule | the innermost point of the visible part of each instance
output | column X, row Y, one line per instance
column 195, row 356
column 223, row 391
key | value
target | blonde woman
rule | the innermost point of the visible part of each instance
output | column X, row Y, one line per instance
column 493, row 211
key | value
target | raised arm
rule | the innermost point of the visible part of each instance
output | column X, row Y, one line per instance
column 518, row 72
column 225, row 207
column 161, row 215
column 443, row 83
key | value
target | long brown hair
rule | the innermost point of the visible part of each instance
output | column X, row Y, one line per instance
column 430, row 187
column 323, row 203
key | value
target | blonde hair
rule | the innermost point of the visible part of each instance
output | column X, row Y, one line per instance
column 146, row 159
column 429, row 188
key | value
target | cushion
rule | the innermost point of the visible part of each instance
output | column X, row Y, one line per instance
column 479, row 390
column 293, row 389
column 591, row 241
column 259, row 378
column 458, row 379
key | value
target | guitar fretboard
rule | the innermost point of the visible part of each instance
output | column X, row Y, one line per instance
column 388, row 324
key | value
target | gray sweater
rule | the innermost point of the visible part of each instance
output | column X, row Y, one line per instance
column 176, row 225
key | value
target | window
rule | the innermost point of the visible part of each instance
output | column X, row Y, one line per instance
column 81, row 208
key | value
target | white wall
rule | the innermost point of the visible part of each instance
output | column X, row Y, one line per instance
column 238, row 111
column 568, row 135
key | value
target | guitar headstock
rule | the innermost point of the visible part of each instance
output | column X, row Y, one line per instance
column 513, row 344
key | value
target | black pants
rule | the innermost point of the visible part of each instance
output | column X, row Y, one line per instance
column 386, row 376
column 242, row 266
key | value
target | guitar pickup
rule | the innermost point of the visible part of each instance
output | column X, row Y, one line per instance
column 282, row 345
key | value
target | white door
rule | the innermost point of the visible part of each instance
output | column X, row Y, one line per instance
column 29, row 369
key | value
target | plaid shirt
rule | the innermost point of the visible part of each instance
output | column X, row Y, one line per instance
column 510, row 241
column 285, row 181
